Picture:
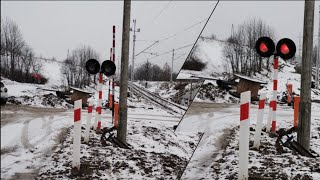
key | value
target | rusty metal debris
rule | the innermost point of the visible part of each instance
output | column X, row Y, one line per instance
column 290, row 143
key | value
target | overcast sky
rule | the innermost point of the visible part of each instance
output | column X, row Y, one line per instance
column 53, row 27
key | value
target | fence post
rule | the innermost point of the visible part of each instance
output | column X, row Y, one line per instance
column 245, row 99
column 77, row 134
column 116, row 114
column 88, row 124
column 296, row 102
column 257, row 135
column 268, row 126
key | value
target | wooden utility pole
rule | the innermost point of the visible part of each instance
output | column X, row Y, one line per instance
column 318, row 56
column 122, row 124
column 305, row 98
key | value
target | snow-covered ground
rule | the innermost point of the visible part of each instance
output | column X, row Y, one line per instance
column 216, row 113
column 217, row 154
column 36, row 140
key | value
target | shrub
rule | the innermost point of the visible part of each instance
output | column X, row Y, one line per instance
column 194, row 63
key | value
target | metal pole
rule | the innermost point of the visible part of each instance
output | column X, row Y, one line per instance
column 305, row 98
column 122, row 126
column 134, row 44
column 318, row 56
column 172, row 65
column 109, row 80
column 113, row 59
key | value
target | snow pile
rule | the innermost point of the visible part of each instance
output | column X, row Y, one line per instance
column 210, row 52
column 164, row 89
column 156, row 152
column 52, row 71
column 211, row 93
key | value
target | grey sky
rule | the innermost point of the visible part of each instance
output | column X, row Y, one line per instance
column 286, row 17
column 53, row 27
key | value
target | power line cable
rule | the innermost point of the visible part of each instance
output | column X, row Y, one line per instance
column 170, row 51
column 192, row 49
column 147, row 48
column 166, row 6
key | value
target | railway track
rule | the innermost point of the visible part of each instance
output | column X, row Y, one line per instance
column 157, row 100
column 314, row 71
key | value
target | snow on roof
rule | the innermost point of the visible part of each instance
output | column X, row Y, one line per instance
column 250, row 79
column 81, row 90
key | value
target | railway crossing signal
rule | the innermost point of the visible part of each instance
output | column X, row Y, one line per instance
column 285, row 48
column 265, row 46
column 107, row 67
column 92, row 66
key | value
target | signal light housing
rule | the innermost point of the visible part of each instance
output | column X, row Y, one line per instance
column 92, row 66
column 108, row 68
column 286, row 48
column 265, row 46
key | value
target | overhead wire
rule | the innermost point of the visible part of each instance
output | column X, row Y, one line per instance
column 166, row 6
column 192, row 49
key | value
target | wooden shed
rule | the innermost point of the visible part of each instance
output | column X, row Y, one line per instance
column 80, row 94
column 247, row 83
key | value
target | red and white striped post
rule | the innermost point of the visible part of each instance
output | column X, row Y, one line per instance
column 109, row 78
column 113, row 59
column 88, row 124
column 257, row 135
column 99, row 108
column 77, row 134
column 95, row 125
column 245, row 99
column 274, row 97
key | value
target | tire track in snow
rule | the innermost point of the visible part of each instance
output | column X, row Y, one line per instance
column 199, row 165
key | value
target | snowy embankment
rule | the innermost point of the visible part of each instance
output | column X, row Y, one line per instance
column 211, row 53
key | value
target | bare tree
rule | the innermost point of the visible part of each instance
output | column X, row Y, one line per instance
column 240, row 51
column 74, row 71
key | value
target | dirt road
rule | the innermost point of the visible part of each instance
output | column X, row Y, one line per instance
column 12, row 113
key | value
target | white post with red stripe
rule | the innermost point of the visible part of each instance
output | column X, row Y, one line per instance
column 77, row 134
column 257, row 135
column 88, row 124
column 99, row 107
column 268, row 127
column 274, row 96
column 245, row 99
column 95, row 125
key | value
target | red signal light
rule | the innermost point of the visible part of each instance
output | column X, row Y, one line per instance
column 265, row 46
column 286, row 48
